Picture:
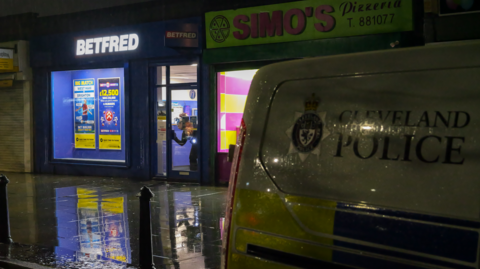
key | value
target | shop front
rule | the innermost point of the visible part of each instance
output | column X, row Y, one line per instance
column 121, row 101
column 241, row 41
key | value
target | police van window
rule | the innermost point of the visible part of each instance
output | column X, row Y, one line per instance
column 232, row 91
column 392, row 140
column 88, row 115
column 183, row 74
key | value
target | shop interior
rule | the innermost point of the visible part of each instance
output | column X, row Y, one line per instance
column 176, row 91
column 232, row 92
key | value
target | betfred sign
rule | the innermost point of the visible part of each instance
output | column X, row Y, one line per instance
column 107, row 44
column 184, row 35
column 306, row 20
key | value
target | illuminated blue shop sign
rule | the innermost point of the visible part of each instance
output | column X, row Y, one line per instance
column 107, row 44
column 118, row 44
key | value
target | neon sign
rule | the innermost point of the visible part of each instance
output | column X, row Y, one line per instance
column 107, row 44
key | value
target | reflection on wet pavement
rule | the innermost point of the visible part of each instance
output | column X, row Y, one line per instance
column 80, row 222
column 92, row 225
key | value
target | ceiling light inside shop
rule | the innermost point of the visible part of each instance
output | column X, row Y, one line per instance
column 243, row 74
column 194, row 64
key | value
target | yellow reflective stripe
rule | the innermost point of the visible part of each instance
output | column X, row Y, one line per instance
column 310, row 201
column 264, row 211
column 240, row 261
column 315, row 214
column 267, row 212
column 244, row 237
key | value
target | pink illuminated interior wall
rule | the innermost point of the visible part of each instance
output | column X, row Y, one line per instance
column 232, row 91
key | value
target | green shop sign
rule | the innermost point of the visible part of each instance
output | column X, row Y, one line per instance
column 306, row 20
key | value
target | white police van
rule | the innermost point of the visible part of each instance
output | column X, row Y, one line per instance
column 368, row 160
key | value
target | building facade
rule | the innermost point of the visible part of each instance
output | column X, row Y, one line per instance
column 180, row 77
column 108, row 93
column 240, row 41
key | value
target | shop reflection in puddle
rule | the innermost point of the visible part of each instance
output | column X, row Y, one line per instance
column 188, row 227
column 94, row 229
column 188, row 233
column 92, row 226
column 180, row 229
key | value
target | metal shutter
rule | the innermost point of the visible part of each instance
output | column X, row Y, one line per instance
column 12, row 140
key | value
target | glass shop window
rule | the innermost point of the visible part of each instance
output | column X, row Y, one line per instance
column 88, row 115
column 232, row 91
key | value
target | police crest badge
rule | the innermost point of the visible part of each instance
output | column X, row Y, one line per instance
column 308, row 130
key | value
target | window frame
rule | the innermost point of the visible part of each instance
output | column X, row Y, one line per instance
column 126, row 123
column 194, row 176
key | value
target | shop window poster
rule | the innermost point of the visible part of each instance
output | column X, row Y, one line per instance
column 103, row 231
column 115, row 237
column 90, row 237
column 89, row 225
column 109, row 114
column 84, row 113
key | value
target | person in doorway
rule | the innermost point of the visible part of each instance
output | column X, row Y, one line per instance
column 188, row 134
column 85, row 109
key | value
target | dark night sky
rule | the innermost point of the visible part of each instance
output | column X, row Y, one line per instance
column 55, row 7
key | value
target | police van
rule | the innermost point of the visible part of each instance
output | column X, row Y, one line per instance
column 368, row 160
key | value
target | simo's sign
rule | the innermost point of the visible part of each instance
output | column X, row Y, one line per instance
column 107, row 44
column 306, row 20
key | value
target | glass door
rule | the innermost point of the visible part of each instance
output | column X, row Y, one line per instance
column 184, row 130
column 176, row 111
column 161, row 134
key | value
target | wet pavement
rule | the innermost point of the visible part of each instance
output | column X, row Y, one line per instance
column 93, row 222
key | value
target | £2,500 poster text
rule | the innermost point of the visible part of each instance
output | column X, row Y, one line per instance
column 109, row 113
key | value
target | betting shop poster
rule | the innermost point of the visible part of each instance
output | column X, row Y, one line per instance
column 109, row 113
column 88, row 222
column 115, row 233
column 84, row 113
